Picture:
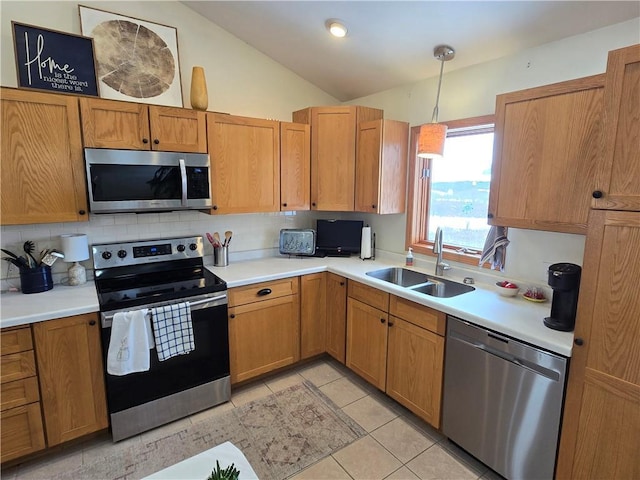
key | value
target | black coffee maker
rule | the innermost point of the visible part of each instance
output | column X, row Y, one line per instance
column 564, row 278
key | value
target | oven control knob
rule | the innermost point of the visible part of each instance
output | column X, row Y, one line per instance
column 122, row 253
column 180, row 248
column 193, row 247
column 106, row 255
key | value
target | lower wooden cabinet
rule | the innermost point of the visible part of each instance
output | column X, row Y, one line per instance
column 22, row 431
column 313, row 314
column 336, row 316
column 71, row 375
column 264, row 328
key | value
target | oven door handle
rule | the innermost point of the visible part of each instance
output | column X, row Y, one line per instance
column 183, row 177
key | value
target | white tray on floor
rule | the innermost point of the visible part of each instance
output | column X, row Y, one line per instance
column 200, row 466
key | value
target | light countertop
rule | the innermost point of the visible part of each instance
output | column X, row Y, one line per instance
column 514, row 317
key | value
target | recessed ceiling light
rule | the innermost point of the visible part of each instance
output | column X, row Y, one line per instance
column 336, row 28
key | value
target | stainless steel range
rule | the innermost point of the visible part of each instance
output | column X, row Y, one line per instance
column 145, row 275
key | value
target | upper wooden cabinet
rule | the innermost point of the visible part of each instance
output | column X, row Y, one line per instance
column 245, row 164
column 333, row 153
column 295, row 166
column 43, row 178
column 617, row 185
column 381, row 166
column 546, row 152
column 138, row 126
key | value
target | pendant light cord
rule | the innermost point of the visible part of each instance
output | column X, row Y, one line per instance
column 434, row 117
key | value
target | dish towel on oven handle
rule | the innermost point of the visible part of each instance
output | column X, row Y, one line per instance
column 172, row 330
column 129, row 343
column 495, row 248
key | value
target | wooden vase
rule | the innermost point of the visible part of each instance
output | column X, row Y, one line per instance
column 199, row 97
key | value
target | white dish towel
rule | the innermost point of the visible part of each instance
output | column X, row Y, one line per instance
column 130, row 343
column 495, row 248
column 172, row 330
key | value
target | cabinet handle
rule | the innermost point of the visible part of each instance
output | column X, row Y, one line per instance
column 490, row 215
column 284, row 204
column 145, row 140
column 81, row 212
column 313, row 204
column 215, row 207
column 382, row 320
column 92, row 322
column 373, row 206
column 263, row 292
column 156, row 141
column 233, row 315
column 597, row 194
column 342, row 284
column 391, row 324
column 579, row 342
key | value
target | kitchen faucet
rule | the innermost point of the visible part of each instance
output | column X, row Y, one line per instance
column 437, row 249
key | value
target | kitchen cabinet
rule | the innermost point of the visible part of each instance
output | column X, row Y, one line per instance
column 336, row 316
column 333, row 153
column 381, row 166
column 547, row 148
column 617, row 185
column 313, row 314
column 43, row 178
column 20, row 418
column 245, row 164
column 295, row 166
column 264, row 328
column 71, row 376
column 138, row 126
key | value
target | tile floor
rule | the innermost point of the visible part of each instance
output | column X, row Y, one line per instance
column 398, row 444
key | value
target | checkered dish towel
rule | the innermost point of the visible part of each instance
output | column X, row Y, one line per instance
column 172, row 330
column 495, row 248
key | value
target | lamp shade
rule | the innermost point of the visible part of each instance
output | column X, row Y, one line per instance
column 431, row 140
column 75, row 247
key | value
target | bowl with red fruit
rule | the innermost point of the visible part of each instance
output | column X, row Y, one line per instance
column 507, row 288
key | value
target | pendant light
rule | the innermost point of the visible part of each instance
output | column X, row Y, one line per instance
column 432, row 135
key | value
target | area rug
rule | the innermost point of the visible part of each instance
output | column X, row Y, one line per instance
column 280, row 435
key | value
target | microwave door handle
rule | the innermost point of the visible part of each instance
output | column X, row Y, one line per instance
column 183, row 176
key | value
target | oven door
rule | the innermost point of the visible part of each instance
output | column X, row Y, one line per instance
column 207, row 363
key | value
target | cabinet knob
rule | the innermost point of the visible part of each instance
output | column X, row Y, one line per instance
column 263, row 292
column 215, row 207
column 342, row 284
column 233, row 315
column 145, row 140
column 391, row 324
column 579, row 342
column 284, row 204
column 597, row 194
column 81, row 212
column 92, row 322
column 156, row 141
column 313, row 204
column 382, row 320
column 373, row 206
column 490, row 215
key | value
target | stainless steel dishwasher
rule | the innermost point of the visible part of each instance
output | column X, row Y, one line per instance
column 502, row 400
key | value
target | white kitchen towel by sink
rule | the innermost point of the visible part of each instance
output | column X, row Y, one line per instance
column 129, row 343
column 495, row 248
column 172, row 330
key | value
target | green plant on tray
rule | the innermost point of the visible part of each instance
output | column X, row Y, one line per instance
column 229, row 473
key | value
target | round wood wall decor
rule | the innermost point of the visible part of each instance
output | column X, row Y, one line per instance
column 132, row 59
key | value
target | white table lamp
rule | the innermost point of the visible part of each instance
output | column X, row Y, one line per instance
column 75, row 247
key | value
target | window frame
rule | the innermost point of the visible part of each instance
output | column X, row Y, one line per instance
column 419, row 195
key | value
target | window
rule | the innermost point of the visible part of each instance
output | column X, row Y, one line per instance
column 452, row 192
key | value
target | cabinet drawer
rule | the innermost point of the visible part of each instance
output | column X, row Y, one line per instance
column 263, row 291
column 22, row 431
column 17, row 366
column 369, row 295
column 16, row 340
column 19, row 392
column 419, row 315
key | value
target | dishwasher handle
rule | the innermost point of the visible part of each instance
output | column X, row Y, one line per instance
column 520, row 362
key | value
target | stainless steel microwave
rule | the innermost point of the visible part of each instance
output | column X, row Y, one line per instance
column 146, row 181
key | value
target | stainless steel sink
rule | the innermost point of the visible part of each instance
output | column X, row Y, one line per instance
column 421, row 282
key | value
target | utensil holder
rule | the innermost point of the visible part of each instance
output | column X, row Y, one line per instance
column 36, row 280
column 220, row 256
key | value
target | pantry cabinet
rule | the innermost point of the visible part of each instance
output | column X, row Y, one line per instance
column 381, row 166
column 71, row 375
column 617, row 185
column 138, row 126
column 313, row 314
column 547, row 150
column 295, row 166
column 333, row 153
column 264, row 328
column 43, row 178
column 336, row 316
column 245, row 164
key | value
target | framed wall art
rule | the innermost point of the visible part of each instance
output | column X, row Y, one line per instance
column 54, row 61
column 136, row 60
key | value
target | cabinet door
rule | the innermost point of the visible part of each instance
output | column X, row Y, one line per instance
column 178, row 129
column 263, row 336
column 367, row 342
column 618, row 179
column 601, row 424
column 336, row 316
column 414, row 369
column 21, row 431
column 295, row 166
column 546, row 150
column 313, row 314
column 381, row 166
column 71, row 376
column 113, row 124
column 43, row 178
column 245, row 164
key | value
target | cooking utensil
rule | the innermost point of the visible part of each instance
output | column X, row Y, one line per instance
column 215, row 243
column 29, row 247
column 227, row 238
column 51, row 257
column 216, row 235
column 21, row 261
